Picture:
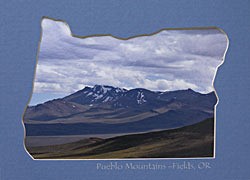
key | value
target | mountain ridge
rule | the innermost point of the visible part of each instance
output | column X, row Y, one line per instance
column 117, row 89
column 106, row 109
column 113, row 99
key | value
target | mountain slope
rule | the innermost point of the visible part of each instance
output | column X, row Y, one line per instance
column 105, row 101
column 190, row 141
column 171, row 119
column 106, row 109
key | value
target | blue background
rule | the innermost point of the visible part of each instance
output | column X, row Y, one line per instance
column 19, row 36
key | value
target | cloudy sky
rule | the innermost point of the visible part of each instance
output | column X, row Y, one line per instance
column 169, row 60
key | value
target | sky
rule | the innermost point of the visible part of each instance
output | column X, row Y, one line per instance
column 169, row 60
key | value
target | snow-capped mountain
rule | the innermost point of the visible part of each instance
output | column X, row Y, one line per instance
column 96, row 95
column 120, row 97
column 100, row 109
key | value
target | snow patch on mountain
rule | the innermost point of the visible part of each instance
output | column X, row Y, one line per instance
column 96, row 96
column 89, row 94
column 106, row 89
column 107, row 99
column 141, row 98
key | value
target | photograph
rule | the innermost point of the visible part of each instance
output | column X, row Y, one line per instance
column 149, row 96
column 124, row 90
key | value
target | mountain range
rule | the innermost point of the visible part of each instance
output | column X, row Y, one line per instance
column 110, row 110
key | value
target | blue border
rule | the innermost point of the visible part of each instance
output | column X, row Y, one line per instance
column 19, row 36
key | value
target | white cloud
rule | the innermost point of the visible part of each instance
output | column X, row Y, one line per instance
column 169, row 60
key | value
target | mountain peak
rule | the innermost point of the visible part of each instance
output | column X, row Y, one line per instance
column 105, row 88
column 190, row 90
column 120, row 97
column 102, row 88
